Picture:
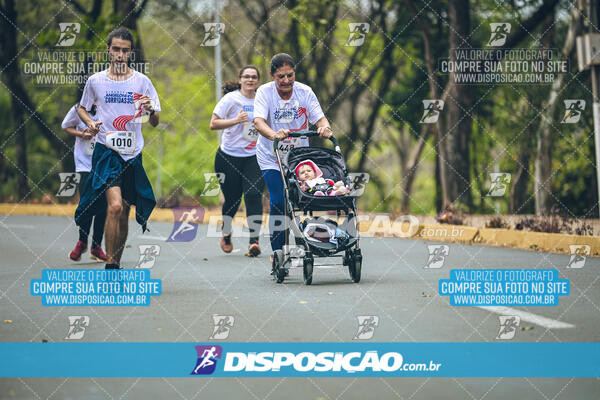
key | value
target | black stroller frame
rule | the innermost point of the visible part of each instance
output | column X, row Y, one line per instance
column 296, row 200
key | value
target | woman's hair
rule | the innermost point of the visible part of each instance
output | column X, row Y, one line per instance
column 230, row 86
column 281, row 59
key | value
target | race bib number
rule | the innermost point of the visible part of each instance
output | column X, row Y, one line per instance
column 122, row 142
column 288, row 144
column 250, row 133
column 89, row 146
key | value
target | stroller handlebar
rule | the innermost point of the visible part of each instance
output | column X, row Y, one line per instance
column 308, row 134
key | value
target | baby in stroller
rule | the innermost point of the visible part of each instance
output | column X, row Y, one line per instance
column 311, row 181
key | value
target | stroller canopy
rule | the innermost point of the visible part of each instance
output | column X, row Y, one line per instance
column 331, row 162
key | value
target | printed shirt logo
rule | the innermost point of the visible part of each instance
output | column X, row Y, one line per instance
column 250, row 109
column 207, row 359
column 288, row 111
column 120, row 123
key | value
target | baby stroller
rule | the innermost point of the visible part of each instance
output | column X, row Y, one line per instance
column 307, row 247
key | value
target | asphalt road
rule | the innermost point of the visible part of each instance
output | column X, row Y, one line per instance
column 200, row 281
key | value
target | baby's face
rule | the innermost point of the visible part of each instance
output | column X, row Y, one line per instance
column 306, row 173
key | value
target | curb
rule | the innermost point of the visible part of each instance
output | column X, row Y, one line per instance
column 533, row 241
column 68, row 210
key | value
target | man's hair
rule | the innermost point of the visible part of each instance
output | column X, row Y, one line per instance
column 121, row 33
column 281, row 59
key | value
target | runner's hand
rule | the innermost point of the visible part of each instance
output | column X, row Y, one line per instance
column 281, row 134
column 94, row 127
column 146, row 103
column 86, row 134
column 325, row 131
column 242, row 117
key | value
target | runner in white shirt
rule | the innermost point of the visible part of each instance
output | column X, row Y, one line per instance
column 236, row 157
column 280, row 107
column 119, row 104
column 82, row 152
column 124, row 99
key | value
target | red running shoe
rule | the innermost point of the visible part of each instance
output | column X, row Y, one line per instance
column 79, row 249
column 97, row 254
column 226, row 244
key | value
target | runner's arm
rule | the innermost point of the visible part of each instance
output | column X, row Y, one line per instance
column 77, row 133
column 261, row 126
column 85, row 117
column 154, row 119
column 218, row 123
column 324, row 128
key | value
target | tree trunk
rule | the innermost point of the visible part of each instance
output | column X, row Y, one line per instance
column 520, row 181
column 543, row 159
column 13, row 81
column 458, row 112
column 410, row 169
column 130, row 12
column 21, row 103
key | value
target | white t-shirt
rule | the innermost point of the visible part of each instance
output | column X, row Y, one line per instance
column 293, row 114
column 117, row 106
column 83, row 149
column 238, row 140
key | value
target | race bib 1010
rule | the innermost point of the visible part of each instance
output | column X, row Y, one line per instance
column 122, row 142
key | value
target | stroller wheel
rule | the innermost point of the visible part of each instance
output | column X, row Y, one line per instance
column 278, row 270
column 355, row 265
column 308, row 270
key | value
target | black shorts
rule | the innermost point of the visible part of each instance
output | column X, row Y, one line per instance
column 126, row 181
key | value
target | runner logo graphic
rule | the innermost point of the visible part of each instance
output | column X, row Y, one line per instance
column 366, row 326
column 358, row 33
column 77, row 325
column 499, row 182
column 573, row 110
column 437, row 255
column 212, row 33
column 578, row 255
column 358, row 183
column 68, row 33
column 508, row 326
column 207, row 359
column 212, row 183
column 186, row 223
column 148, row 255
column 499, row 33
column 68, row 183
column 432, row 111
column 223, row 324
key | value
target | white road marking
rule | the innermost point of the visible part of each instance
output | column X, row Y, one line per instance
column 149, row 237
column 17, row 226
column 547, row 323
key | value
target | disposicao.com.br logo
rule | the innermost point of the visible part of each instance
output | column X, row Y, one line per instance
column 281, row 363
